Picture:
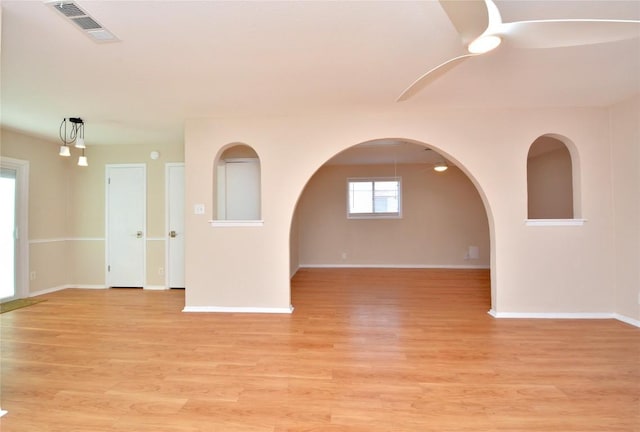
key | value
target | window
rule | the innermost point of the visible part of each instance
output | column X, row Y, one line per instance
column 374, row 197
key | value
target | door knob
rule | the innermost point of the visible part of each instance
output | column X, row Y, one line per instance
column 172, row 234
column 139, row 234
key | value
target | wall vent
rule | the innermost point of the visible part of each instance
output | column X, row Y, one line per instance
column 87, row 24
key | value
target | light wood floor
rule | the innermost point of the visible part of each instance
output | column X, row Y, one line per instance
column 365, row 350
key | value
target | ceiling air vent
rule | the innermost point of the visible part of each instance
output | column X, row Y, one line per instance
column 87, row 24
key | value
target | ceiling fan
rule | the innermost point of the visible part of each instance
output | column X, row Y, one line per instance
column 471, row 17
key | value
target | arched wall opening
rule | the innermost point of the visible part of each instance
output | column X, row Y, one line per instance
column 237, row 183
column 553, row 179
column 445, row 219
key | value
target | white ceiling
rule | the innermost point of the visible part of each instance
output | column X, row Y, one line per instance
column 184, row 59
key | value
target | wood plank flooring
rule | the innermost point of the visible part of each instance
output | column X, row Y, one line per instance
column 365, row 350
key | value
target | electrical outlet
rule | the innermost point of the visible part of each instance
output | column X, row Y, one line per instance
column 473, row 253
column 344, row 255
column 32, row 275
column 198, row 209
column 160, row 271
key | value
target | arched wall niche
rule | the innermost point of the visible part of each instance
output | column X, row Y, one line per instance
column 375, row 147
column 237, row 183
column 553, row 179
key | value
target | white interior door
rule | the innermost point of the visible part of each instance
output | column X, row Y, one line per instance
column 175, row 225
column 126, row 217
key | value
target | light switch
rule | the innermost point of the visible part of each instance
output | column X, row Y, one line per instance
column 198, row 209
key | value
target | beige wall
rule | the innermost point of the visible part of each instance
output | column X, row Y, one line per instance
column 534, row 269
column 48, row 180
column 625, row 151
column 442, row 215
column 67, row 209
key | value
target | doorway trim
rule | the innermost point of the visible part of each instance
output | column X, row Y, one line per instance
column 167, row 204
column 22, row 218
column 107, row 279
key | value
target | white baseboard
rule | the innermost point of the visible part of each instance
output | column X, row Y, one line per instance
column 155, row 287
column 569, row 315
column 294, row 272
column 627, row 320
column 62, row 287
column 49, row 290
column 552, row 315
column 398, row 266
column 224, row 309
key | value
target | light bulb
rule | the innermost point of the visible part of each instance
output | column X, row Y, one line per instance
column 82, row 161
column 80, row 143
column 65, row 151
column 440, row 167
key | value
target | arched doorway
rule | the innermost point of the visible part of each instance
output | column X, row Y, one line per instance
column 441, row 223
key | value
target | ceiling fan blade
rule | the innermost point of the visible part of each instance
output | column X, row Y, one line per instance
column 431, row 76
column 565, row 33
column 469, row 17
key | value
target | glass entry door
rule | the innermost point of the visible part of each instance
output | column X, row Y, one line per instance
column 7, row 233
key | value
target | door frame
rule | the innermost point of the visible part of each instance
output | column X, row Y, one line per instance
column 167, row 266
column 107, row 169
column 22, row 221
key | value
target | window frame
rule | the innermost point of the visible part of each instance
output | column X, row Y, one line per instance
column 374, row 214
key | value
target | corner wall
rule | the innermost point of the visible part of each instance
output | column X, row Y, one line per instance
column 625, row 161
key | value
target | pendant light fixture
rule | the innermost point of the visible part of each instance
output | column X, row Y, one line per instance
column 72, row 131
column 82, row 160
column 440, row 166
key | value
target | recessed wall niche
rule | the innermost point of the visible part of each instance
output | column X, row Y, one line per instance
column 550, row 180
column 237, row 184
